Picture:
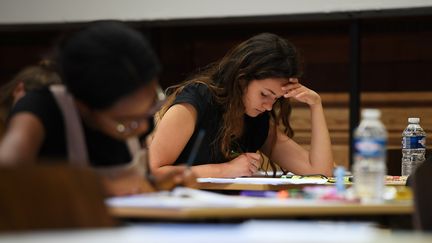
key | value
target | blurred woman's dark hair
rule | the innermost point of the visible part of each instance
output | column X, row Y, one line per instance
column 105, row 62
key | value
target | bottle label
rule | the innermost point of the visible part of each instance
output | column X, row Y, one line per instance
column 415, row 142
column 367, row 147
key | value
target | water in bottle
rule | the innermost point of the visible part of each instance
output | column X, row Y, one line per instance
column 413, row 146
column 369, row 169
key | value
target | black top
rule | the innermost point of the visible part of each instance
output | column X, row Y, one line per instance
column 103, row 150
column 209, row 118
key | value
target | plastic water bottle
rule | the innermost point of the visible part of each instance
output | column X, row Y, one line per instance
column 369, row 169
column 413, row 146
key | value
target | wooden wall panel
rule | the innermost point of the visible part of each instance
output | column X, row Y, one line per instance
column 319, row 44
column 22, row 47
column 395, row 108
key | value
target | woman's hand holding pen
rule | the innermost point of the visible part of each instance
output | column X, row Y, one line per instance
column 301, row 93
column 176, row 176
column 132, row 181
column 245, row 164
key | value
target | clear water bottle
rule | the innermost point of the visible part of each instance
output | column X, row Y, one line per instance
column 369, row 169
column 413, row 146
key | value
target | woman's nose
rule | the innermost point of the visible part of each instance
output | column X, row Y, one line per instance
column 268, row 106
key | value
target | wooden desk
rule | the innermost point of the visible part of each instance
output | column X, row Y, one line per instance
column 295, row 209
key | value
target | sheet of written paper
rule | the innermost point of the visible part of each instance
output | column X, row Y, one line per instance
column 264, row 181
column 182, row 197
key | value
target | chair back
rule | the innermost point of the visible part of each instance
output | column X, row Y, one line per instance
column 422, row 186
column 51, row 197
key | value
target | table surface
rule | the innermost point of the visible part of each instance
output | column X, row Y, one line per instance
column 296, row 208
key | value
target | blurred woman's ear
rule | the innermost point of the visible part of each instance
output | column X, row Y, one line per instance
column 18, row 92
column 83, row 109
column 149, row 139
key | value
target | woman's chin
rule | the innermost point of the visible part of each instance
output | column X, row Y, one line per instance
column 253, row 113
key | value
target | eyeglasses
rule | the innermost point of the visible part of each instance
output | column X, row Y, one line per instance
column 128, row 126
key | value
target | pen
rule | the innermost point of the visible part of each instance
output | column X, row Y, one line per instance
column 258, row 193
column 234, row 153
column 148, row 173
column 339, row 173
column 271, row 194
column 313, row 176
column 195, row 148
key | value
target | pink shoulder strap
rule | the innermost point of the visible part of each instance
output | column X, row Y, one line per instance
column 76, row 145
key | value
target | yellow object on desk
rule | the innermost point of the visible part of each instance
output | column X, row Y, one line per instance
column 347, row 179
column 396, row 180
column 390, row 180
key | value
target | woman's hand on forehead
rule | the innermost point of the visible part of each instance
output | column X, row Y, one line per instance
column 300, row 93
column 293, row 83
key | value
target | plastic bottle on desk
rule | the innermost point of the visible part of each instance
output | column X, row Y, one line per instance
column 413, row 146
column 369, row 169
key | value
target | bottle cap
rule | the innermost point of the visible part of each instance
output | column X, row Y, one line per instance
column 414, row 120
column 371, row 113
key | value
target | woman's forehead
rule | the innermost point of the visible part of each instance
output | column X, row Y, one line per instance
column 273, row 84
column 136, row 103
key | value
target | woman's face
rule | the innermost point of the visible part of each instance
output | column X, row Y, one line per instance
column 260, row 95
column 131, row 115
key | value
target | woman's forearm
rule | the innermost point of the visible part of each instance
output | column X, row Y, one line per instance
column 321, row 155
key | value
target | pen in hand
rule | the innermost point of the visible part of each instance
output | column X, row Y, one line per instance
column 195, row 148
column 187, row 174
column 168, row 182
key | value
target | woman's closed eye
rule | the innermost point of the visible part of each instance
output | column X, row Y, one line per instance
column 269, row 96
column 265, row 95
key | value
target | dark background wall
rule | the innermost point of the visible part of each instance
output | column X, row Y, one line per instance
column 396, row 51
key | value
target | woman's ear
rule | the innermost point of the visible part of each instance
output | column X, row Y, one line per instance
column 18, row 92
column 83, row 109
column 243, row 84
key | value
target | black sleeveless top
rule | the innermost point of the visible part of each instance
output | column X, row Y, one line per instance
column 103, row 150
column 209, row 118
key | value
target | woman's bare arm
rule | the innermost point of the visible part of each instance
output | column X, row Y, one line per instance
column 22, row 141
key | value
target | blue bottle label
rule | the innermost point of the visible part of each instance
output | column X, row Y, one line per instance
column 415, row 142
column 367, row 147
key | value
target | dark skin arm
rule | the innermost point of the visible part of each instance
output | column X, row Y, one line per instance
column 22, row 141
column 24, row 138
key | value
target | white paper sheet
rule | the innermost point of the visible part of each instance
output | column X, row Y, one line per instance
column 263, row 181
column 192, row 198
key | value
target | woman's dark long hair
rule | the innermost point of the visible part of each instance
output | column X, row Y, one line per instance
column 263, row 56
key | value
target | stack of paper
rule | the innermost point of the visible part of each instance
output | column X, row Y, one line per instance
column 265, row 181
